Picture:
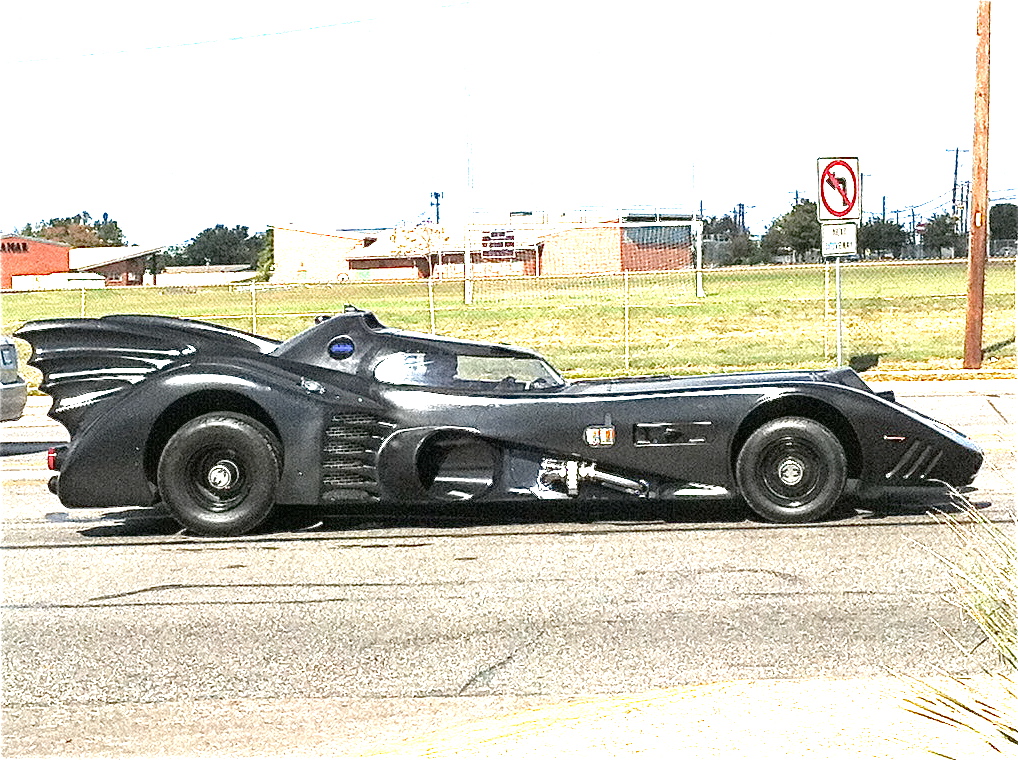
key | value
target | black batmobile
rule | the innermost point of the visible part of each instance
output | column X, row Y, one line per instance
column 224, row 426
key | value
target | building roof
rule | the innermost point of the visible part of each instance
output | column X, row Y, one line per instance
column 208, row 268
column 90, row 258
column 351, row 234
column 8, row 235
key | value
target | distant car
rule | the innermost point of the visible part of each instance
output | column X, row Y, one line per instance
column 13, row 388
column 224, row 426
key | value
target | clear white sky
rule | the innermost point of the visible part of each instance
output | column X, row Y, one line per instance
column 175, row 117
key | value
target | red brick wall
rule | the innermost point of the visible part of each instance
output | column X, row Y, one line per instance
column 654, row 258
column 130, row 272
column 22, row 255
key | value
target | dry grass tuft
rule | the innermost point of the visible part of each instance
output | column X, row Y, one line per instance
column 983, row 577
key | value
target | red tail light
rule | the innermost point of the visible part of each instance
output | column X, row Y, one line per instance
column 51, row 459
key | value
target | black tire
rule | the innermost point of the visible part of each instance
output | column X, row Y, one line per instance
column 218, row 474
column 791, row 470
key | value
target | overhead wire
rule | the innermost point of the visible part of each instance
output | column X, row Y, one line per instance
column 240, row 38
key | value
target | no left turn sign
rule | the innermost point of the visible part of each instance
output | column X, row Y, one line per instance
column 839, row 189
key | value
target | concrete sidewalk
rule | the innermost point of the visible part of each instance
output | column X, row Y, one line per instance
column 832, row 719
column 822, row 718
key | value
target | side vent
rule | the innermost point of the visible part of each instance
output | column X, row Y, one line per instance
column 349, row 457
column 916, row 463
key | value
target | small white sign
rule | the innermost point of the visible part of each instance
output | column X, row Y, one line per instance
column 838, row 239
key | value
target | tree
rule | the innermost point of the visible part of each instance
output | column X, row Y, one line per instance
column 940, row 232
column 267, row 258
column 746, row 250
column 78, row 231
column 1004, row 222
column 109, row 231
column 222, row 245
column 882, row 235
column 421, row 240
column 740, row 250
column 797, row 232
column 719, row 228
column 169, row 257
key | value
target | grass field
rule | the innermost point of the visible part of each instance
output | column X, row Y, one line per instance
column 913, row 315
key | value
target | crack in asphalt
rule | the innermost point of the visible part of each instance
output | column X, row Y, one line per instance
column 999, row 413
column 761, row 570
column 196, row 586
column 799, row 594
column 485, row 674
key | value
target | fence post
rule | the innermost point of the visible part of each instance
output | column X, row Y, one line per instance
column 625, row 310
column 827, row 307
column 468, row 274
column 254, row 308
column 431, row 302
column 82, row 301
column 698, row 233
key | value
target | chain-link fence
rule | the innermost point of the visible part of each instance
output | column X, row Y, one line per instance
column 896, row 314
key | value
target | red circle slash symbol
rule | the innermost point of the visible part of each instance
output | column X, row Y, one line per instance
column 839, row 184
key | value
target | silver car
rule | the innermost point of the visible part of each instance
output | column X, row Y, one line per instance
column 13, row 388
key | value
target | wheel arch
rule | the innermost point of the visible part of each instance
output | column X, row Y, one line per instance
column 193, row 405
column 810, row 407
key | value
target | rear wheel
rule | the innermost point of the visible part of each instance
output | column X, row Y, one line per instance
column 218, row 474
column 792, row 469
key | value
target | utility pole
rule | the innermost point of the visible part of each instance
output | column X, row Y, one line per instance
column 956, row 203
column 973, row 357
column 964, row 205
column 954, row 186
column 437, row 202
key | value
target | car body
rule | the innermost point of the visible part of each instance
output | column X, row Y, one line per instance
column 225, row 426
column 13, row 388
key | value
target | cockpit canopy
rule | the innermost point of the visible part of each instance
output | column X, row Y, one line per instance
column 356, row 343
column 467, row 372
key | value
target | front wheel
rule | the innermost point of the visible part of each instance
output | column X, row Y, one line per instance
column 218, row 474
column 791, row 470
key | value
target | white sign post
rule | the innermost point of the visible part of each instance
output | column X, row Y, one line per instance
column 839, row 209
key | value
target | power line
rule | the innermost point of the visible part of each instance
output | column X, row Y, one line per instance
column 242, row 38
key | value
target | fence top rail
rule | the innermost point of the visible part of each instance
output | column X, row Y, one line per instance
column 458, row 277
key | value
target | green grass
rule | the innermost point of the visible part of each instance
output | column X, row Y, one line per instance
column 758, row 317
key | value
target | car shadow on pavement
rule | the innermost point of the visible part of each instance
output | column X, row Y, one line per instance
column 298, row 522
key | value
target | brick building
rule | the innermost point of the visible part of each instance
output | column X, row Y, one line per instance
column 20, row 254
column 626, row 243
column 118, row 265
column 520, row 244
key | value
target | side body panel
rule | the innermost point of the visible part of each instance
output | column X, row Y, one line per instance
column 111, row 460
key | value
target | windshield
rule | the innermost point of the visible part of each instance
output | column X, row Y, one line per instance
column 478, row 373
